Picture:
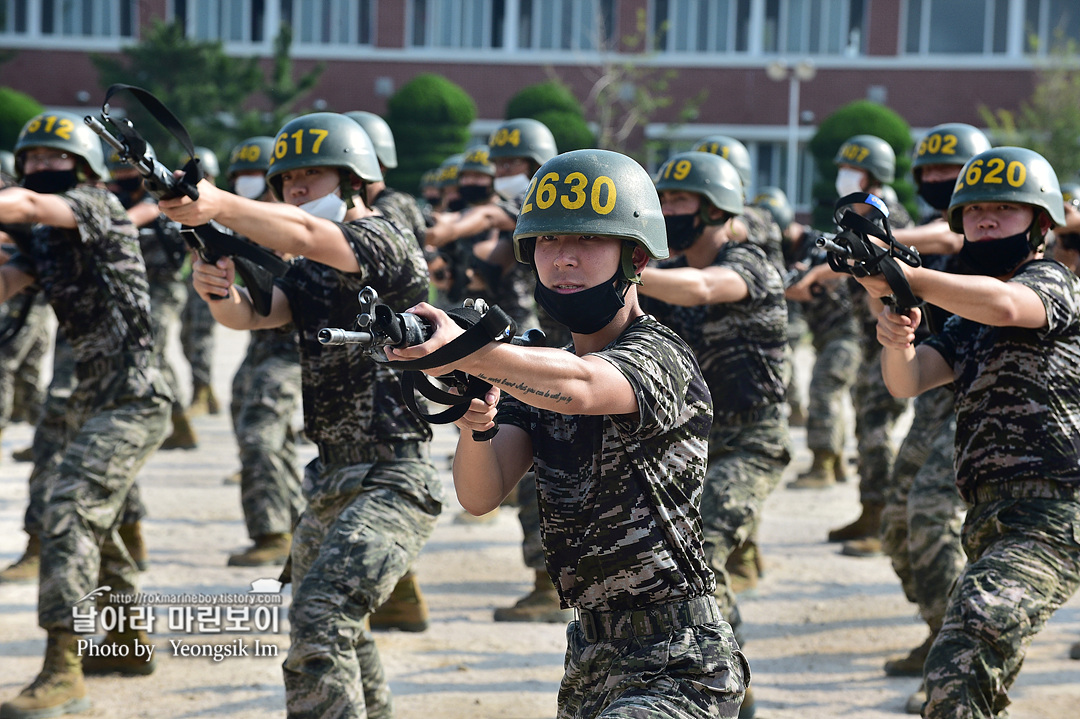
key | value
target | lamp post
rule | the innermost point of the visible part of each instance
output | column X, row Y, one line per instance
column 802, row 71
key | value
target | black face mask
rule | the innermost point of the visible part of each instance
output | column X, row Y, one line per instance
column 937, row 194
column 51, row 182
column 455, row 205
column 681, row 232
column 128, row 190
column 475, row 194
column 587, row 311
column 996, row 258
column 1069, row 240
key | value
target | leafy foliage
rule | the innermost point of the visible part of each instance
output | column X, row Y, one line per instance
column 553, row 104
column 16, row 109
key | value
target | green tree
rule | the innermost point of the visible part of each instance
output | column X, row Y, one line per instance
column 16, row 109
column 430, row 118
column 553, row 104
column 861, row 117
column 1049, row 121
column 212, row 94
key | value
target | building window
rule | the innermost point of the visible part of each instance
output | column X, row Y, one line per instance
column 12, row 17
column 934, row 27
column 701, row 25
column 1048, row 23
column 458, row 23
column 230, row 21
column 79, row 18
column 329, row 22
column 814, row 27
column 566, row 24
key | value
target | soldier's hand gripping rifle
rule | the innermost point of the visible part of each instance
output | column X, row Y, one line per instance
column 380, row 327
column 860, row 217
column 257, row 266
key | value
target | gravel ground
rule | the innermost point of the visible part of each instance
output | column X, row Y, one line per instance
column 819, row 628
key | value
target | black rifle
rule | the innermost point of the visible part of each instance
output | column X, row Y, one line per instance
column 257, row 266
column 853, row 251
column 380, row 327
column 809, row 257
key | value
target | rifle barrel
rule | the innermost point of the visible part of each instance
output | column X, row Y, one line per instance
column 335, row 336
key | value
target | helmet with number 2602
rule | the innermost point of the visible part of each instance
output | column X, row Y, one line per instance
column 1007, row 174
column 953, row 143
column 593, row 192
column 324, row 139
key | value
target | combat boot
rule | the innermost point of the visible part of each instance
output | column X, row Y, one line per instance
column 796, row 415
column 183, row 434
column 131, row 535
column 58, row 689
column 910, row 665
column 865, row 547
column 203, row 401
column 539, row 605
column 233, row 478
column 119, row 653
column 26, row 454
column 268, row 549
column 1074, row 651
column 406, row 608
column 822, row 472
column 25, row 569
column 867, row 525
column 840, row 469
column 744, row 568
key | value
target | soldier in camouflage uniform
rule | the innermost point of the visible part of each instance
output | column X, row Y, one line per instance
column 1010, row 351
column 197, row 324
column 84, row 253
column 266, row 393
column 373, row 495
column 616, row 431
column 867, row 164
column 726, row 300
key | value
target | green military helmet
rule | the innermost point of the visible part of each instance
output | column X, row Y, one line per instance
column 953, row 143
column 208, row 160
column 64, row 131
column 113, row 161
column 382, row 137
column 871, row 154
column 593, row 192
column 1008, row 174
column 477, row 159
column 731, row 150
column 7, row 163
column 775, row 202
column 324, row 139
column 704, row 174
column 448, row 170
column 523, row 137
column 252, row 154
column 1070, row 193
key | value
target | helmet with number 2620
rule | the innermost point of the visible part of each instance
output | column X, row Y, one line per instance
column 1007, row 174
column 593, row 192
column 323, row 139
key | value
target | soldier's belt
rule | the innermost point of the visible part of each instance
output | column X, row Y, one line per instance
column 648, row 620
column 100, row 366
column 750, row 416
column 373, row 452
column 1025, row 489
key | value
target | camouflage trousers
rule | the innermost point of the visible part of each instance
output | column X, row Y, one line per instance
column 796, row 333
column 266, row 393
column 532, row 547
column 50, row 437
column 1023, row 564
column 876, row 412
column 167, row 299
column 20, row 362
column 118, row 421
column 746, row 462
column 349, row 549
column 923, row 513
column 835, row 371
column 197, row 335
column 690, row 672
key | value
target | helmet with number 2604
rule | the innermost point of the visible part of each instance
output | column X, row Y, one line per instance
column 593, row 192
column 523, row 137
column 324, row 139
column 1007, row 174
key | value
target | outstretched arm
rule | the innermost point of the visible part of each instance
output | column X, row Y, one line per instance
column 690, row 286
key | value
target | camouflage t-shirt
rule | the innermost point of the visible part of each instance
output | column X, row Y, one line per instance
column 94, row 276
column 349, row 398
column 619, row 495
column 1018, row 389
column 763, row 232
column 741, row 346
column 401, row 208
